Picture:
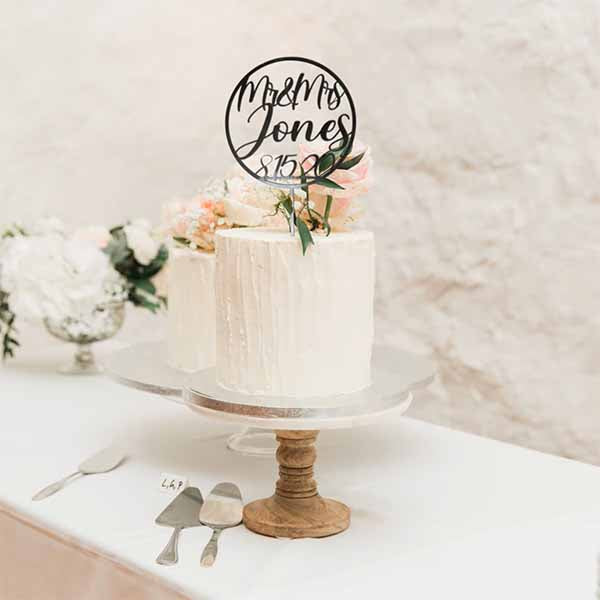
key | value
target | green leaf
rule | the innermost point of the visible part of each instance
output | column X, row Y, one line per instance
column 328, row 204
column 342, row 147
column 328, row 207
column 327, row 183
column 117, row 249
column 351, row 162
column 7, row 329
column 326, row 162
column 287, row 205
column 142, row 300
column 305, row 235
column 157, row 264
column 146, row 285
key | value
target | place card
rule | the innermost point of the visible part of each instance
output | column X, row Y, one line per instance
column 171, row 483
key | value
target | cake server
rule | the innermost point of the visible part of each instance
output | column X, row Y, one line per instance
column 223, row 508
column 101, row 462
column 182, row 512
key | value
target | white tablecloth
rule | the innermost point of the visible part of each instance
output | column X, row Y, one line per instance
column 435, row 513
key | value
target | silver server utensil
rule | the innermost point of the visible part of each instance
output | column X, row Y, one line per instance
column 182, row 512
column 101, row 462
column 223, row 508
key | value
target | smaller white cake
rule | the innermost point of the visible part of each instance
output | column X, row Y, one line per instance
column 191, row 310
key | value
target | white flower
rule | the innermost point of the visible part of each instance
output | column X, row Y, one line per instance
column 248, row 202
column 139, row 239
column 51, row 277
column 213, row 188
column 42, row 226
column 242, row 214
column 297, row 205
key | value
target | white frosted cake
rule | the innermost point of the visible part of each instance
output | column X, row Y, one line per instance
column 292, row 325
column 191, row 309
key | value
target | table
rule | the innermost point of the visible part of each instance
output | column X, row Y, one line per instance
column 436, row 513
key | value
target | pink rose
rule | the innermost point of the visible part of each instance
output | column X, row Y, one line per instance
column 355, row 182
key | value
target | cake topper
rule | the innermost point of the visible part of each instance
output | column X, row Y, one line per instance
column 290, row 123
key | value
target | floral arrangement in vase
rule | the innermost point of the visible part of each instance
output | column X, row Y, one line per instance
column 77, row 282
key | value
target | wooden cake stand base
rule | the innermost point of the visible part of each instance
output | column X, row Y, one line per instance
column 296, row 510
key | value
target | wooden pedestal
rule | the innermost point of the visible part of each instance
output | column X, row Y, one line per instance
column 296, row 510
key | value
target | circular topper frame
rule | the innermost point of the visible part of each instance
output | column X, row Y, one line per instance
column 283, row 169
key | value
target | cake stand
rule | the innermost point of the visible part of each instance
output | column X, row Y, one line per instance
column 296, row 510
column 144, row 366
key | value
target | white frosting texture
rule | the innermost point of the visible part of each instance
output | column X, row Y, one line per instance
column 191, row 310
column 293, row 325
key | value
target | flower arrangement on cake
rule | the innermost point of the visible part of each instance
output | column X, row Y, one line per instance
column 237, row 201
column 330, row 203
column 240, row 201
column 71, row 278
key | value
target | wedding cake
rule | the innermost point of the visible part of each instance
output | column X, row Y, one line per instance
column 191, row 310
column 189, row 228
column 289, row 324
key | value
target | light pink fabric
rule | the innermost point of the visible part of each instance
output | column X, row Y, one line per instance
column 36, row 564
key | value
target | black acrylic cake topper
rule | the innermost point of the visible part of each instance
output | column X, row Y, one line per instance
column 290, row 123
column 282, row 105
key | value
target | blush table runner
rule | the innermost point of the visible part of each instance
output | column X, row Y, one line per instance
column 435, row 513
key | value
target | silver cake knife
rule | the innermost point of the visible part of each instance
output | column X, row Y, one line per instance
column 182, row 512
column 101, row 462
column 223, row 508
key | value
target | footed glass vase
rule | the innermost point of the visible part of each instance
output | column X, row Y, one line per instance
column 102, row 323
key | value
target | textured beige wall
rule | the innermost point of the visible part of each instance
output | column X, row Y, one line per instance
column 484, row 117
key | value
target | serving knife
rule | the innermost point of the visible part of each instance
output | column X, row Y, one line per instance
column 223, row 508
column 102, row 462
column 181, row 513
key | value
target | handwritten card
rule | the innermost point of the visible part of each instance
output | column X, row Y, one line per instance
column 171, row 483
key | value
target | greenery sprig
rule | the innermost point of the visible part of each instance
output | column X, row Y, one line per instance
column 140, row 289
column 8, row 330
column 7, row 327
column 305, row 213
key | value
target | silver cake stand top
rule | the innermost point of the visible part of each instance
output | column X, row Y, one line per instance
column 144, row 367
column 395, row 375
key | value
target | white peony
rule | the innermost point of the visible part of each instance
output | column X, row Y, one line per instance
column 53, row 277
column 140, row 240
column 248, row 203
